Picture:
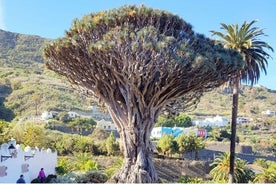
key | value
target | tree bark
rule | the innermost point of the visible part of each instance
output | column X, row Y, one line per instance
column 138, row 166
column 233, row 128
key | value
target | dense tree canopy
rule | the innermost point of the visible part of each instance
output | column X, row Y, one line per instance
column 139, row 61
column 151, row 51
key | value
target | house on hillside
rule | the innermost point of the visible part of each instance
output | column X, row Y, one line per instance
column 158, row 132
column 106, row 125
column 268, row 113
column 242, row 120
column 48, row 115
column 73, row 114
column 215, row 121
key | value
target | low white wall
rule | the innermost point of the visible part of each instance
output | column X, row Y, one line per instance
column 12, row 168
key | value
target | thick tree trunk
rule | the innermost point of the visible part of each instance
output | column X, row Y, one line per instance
column 233, row 129
column 138, row 166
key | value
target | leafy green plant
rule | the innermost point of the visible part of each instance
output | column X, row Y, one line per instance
column 268, row 172
column 112, row 146
column 114, row 167
column 189, row 143
column 220, row 171
column 166, row 144
column 186, row 179
column 64, row 166
column 84, row 162
column 180, row 120
column 81, row 177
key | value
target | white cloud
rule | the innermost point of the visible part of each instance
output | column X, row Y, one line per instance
column 2, row 21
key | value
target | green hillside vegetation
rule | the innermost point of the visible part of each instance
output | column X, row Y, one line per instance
column 252, row 101
column 21, row 51
column 27, row 88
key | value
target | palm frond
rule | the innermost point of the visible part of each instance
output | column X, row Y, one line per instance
column 246, row 40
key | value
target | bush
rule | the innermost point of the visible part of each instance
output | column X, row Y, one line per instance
column 36, row 180
column 187, row 179
column 88, row 177
column 50, row 177
column 110, row 171
column 92, row 177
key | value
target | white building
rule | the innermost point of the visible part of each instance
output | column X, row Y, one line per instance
column 268, row 113
column 215, row 121
column 28, row 162
column 73, row 114
column 49, row 115
column 242, row 120
column 158, row 132
column 106, row 125
column 46, row 115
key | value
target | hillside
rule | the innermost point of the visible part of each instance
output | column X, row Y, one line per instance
column 27, row 88
column 252, row 101
column 20, row 51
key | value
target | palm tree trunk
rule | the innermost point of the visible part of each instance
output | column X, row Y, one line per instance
column 233, row 128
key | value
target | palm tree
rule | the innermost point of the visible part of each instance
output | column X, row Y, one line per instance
column 221, row 167
column 246, row 41
column 267, row 174
column 84, row 162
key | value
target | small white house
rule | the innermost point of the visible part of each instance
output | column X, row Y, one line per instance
column 106, row 125
column 268, row 113
column 73, row 114
column 49, row 115
column 46, row 115
column 242, row 120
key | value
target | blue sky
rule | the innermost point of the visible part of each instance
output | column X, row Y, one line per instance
column 50, row 18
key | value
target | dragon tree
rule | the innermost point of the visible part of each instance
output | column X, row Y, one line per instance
column 139, row 62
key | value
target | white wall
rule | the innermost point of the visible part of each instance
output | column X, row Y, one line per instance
column 29, row 168
column 106, row 125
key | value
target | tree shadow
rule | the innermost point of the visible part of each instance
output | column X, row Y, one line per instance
column 5, row 113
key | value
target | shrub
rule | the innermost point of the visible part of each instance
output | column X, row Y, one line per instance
column 92, row 177
column 187, row 179
column 110, row 171
column 77, row 177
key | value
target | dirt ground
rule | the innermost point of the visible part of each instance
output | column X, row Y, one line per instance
column 170, row 170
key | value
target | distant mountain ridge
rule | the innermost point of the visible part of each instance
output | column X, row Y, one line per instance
column 27, row 88
column 19, row 50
